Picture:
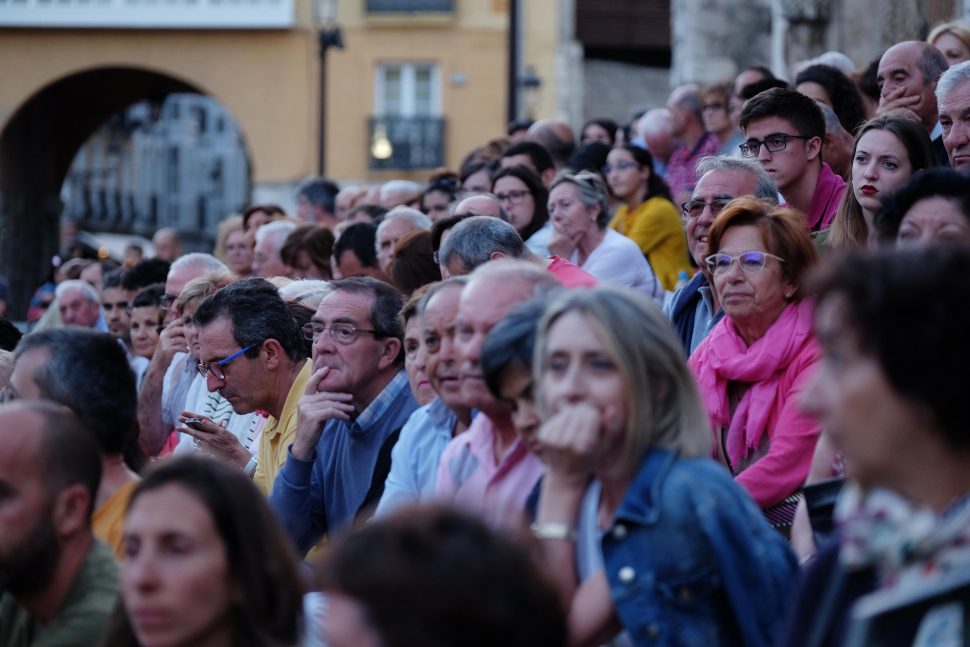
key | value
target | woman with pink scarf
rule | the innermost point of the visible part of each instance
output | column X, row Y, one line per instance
column 754, row 363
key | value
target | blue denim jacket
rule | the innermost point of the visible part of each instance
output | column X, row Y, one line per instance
column 691, row 560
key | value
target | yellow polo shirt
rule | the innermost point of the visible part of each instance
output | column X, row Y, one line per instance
column 278, row 435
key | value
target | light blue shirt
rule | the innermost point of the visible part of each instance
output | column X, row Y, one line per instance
column 415, row 457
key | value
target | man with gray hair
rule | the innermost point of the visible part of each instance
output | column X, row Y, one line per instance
column 267, row 262
column 953, row 97
column 316, row 200
column 182, row 271
column 166, row 244
column 694, row 308
column 398, row 222
column 687, row 127
column 80, row 305
column 395, row 193
column 655, row 129
column 907, row 77
column 479, row 239
column 838, row 143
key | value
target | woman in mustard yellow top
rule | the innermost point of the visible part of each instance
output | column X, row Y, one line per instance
column 648, row 216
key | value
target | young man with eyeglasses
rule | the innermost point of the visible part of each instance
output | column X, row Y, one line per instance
column 251, row 352
column 350, row 413
column 783, row 131
column 694, row 308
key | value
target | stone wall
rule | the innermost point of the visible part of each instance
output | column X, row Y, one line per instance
column 617, row 90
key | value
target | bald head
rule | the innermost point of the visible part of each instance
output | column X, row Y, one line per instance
column 656, row 130
column 556, row 136
column 481, row 204
column 907, row 77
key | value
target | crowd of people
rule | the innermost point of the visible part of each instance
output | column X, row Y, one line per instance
column 691, row 381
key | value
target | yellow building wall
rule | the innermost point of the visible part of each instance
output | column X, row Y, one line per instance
column 266, row 79
column 540, row 42
column 471, row 44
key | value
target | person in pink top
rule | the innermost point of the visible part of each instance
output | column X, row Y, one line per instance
column 489, row 470
column 783, row 130
column 755, row 362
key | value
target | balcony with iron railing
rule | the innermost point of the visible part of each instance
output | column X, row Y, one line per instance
column 405, row 143
column 148, row 14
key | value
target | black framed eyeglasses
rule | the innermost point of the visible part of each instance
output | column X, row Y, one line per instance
column 165, row 302
column 694, row 208
column 342, row 333
column 774, row 142
column 217, row 368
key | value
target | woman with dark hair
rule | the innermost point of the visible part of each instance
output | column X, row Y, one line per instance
column 599, row 130
column 257, row 215
column 833, row 88
column 205, row 563
column 521, row 193
column 442, row 190
column 476, row 176
column 715, row 112
column 307, row 250
column 413, row 264
column 650, row 541
column 888, row 150
column 648, row 216
column 437, row 578
column 578, row 209
column 755, row 362
column 891, row 395
column 146, row 320
column 934, row 206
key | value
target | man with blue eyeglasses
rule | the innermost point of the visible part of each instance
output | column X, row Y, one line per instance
column 784, row 131
column 251, row 353
column 350, row 414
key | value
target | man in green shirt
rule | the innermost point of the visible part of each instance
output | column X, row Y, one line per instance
column 58, row 585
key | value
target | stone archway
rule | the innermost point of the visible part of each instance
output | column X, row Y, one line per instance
column 37, row 146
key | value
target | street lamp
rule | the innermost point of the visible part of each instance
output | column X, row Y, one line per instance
column 325, row 18
column 530, row 82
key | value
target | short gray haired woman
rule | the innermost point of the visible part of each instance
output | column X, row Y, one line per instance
column 580, row 216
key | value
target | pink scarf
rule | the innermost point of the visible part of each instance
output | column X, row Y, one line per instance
column 724, row 357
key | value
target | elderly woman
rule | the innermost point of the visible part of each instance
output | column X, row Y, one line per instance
column 753, row 364
column 578, row 209
column 932, row 207
column 891, row 394
column 888, row 150
column 205, row 563
column 646, row 536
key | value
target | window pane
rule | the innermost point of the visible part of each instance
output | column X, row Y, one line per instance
column 392, row 90
column 423, row 92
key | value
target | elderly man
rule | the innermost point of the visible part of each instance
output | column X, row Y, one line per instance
column 251, row 351
column 838, row 144
column 398, row 222
column 656, row 131
column 153, row 399
column 270, row 238
column 907, row 77
column 694, row 308
column 395, row 193
column 479, row 239
column 557, row 138
column 953, row 96
column 166, row 243
column 80, row 305
column 693, row 142
column 58, row 585
column 488, row 470
column 47, row 367
column 350, row 415
column 316, row 199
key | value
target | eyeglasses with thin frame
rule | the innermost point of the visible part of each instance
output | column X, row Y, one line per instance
column 751, row 261
column 342, row 333
column 622, row 165
column 694, row 208
column 774, row 142
column 217, row 368
column 513, row 197
column 165, row 302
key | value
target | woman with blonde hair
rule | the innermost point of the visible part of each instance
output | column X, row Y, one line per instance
column 648, row 539
column 953, row 40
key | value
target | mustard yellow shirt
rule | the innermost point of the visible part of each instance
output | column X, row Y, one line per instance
column 656, row 228
column 278, row 435
column 108, row 521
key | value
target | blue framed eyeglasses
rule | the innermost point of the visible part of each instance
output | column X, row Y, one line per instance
column 216, row 368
